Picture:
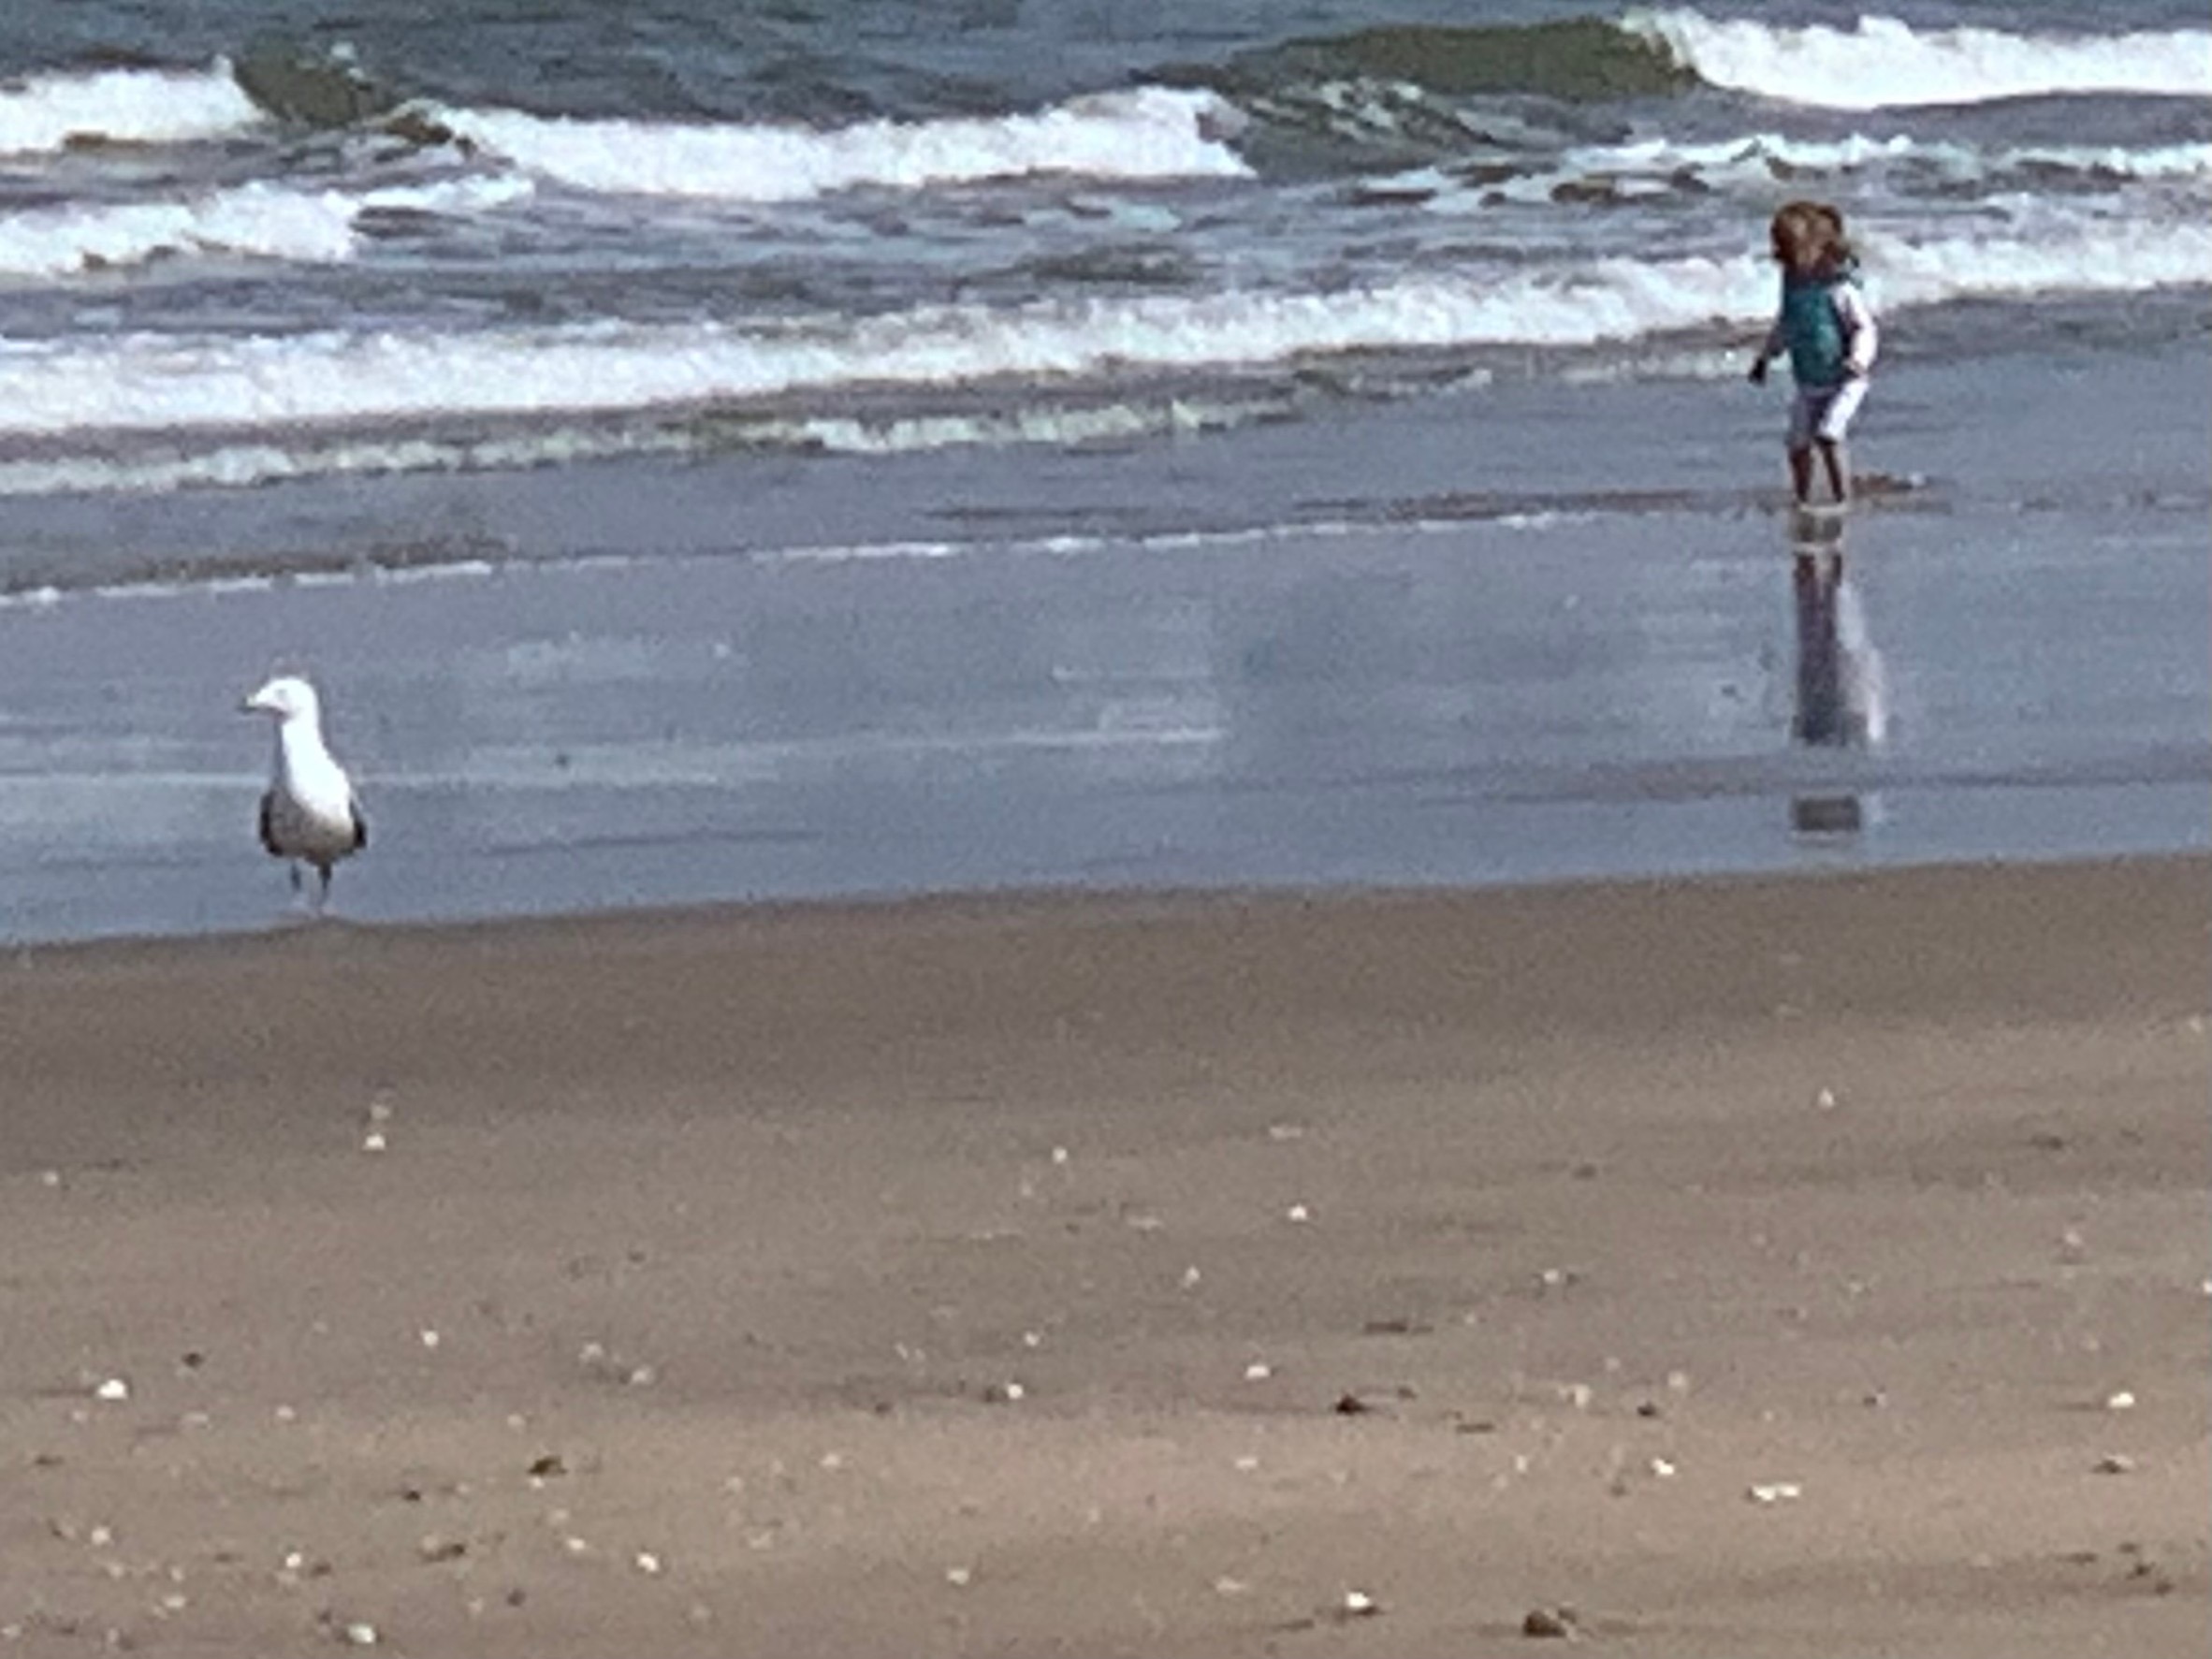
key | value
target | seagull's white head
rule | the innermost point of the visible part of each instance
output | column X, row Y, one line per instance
column 288, row 698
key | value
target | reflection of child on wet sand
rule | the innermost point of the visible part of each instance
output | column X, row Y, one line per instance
column 1826, row 326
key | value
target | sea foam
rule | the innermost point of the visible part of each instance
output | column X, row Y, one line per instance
column 1882, row 62
column 45, row 112
column 259, row 219
column 1143, row 133
column 1753, row 162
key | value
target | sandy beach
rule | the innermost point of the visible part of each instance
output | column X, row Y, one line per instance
column 1734, row 1268
column 1132, row 888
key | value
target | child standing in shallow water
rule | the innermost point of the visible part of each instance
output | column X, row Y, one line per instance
column 1828, row 328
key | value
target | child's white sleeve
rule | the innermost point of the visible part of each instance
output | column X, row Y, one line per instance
column 1861, row 338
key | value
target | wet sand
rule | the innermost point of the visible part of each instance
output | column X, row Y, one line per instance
column 1762, row 1265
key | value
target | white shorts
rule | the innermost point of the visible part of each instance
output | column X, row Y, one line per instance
column 1825, row 412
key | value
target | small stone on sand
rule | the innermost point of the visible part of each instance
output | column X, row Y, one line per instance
column 1550, row 1621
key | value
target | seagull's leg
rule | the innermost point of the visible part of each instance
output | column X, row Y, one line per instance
column 322, row 887
column 292, row 868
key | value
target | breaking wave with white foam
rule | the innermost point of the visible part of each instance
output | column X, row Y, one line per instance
column 257, row 220
column 164, row 384
column 51, row 111
column 1144, row 133
column 1882, row 62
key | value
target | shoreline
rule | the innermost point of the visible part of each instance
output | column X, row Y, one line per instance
column 1736, row 1263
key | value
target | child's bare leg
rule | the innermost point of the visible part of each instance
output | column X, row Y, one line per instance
column 1801, row 472
column 1838, row 467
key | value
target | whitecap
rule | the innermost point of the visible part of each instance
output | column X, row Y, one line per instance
column 1882, row 62
column 46, row 112
column 1143, row 133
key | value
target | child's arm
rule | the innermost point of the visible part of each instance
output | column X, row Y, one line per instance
column 1861, row 338
column 1772, row 347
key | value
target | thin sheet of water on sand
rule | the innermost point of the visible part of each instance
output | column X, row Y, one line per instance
column 1463, row 702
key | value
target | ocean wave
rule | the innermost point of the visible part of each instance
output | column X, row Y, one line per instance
column 240, row 465
column 156, row 384
column 52, row 112
column 1379, row 83
column 1756, row 161
column 1882, row 62
column 259, row 220
column 1143, row 133
column 158, row 469
column 1575, row 59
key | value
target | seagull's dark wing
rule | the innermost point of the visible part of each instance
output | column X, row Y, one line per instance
column 268, row 822
column 360, row 826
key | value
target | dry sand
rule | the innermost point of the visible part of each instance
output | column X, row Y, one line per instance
column 991, row 1277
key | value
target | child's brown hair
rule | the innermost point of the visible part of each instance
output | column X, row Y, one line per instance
column 1809, row 235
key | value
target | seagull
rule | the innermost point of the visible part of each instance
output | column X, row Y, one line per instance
column 307, row 813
